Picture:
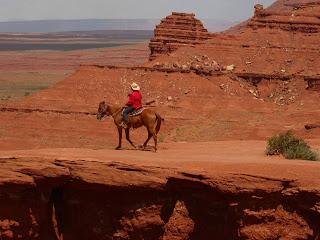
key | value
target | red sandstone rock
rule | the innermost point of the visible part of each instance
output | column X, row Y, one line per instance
column 279, row 43
column 302, row 16
column 176, row 30
column 102, row 199
column 180, row 226
column 250, row 198
column 289, row 225
column 258, row 10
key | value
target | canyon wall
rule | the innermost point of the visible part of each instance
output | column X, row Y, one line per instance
column 44, row 198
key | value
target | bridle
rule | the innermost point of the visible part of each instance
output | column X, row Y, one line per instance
column 106, row 113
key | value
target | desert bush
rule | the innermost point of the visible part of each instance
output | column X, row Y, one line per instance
column 290, row 147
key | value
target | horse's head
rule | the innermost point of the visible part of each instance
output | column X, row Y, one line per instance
column 102, row 110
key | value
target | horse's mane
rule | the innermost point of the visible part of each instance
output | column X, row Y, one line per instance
column 117, row 108
column 114, row 105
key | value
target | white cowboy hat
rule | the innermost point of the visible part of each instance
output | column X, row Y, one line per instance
column 135, row 87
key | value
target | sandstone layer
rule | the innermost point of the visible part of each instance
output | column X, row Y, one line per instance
column 297, row 17
column 280, row 42
column 176, row 30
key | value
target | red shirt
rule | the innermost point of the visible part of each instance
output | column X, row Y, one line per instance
column 135, row 100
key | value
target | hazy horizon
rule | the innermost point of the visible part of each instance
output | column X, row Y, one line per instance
column 29, row 10
column 46, row 26
column 103, row 19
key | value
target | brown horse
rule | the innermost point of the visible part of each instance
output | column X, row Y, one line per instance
column 148, row 118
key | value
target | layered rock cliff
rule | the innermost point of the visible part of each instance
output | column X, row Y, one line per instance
column 176, row 30
column 294, row 16
column 43, row 198
column 278, row 43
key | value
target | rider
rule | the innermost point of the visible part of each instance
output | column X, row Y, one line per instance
column 134, row 103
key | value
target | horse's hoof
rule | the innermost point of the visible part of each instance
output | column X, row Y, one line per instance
column 118, row 148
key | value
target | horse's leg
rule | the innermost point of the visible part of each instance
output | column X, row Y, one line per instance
column 155, row 138
column 128, row 137
column 120, row 138
column 146, row 142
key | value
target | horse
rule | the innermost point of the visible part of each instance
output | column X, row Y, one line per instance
column 148, row 118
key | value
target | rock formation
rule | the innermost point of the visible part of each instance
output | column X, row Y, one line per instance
column 258, row 10
column 301, row 17
column 280, row 42
column 44, row 198
column 176, row 30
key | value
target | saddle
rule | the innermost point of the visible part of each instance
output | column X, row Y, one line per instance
column 135, row 112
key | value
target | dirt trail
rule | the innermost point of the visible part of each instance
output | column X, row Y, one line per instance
column 195, row 156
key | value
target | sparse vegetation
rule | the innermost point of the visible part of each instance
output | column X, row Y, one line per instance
column 161, row 138
column 16, row 85
column 290, row 147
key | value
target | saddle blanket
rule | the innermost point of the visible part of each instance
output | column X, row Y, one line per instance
column 135, row 112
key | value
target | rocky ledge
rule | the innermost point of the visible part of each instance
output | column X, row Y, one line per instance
column 42, row 198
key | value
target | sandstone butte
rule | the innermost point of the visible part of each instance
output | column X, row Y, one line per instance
column 176, row 30
column 61, row 178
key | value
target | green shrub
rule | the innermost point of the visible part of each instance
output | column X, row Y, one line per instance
column 290, row 147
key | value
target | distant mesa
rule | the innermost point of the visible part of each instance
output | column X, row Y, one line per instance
column 176, row 30
column 299, row 16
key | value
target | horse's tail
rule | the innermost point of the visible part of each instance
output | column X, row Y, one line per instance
column 159, row 120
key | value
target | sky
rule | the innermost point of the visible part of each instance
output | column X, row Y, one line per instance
column 230, row 10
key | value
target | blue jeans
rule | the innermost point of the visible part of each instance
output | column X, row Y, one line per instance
column 126, row 112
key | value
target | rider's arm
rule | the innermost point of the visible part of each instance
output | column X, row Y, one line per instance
column 131, row 100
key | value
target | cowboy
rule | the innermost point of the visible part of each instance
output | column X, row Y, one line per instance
column 134, row 103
